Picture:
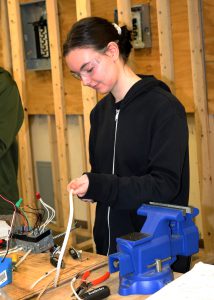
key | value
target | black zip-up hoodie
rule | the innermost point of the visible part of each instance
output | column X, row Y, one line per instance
column 151, row 158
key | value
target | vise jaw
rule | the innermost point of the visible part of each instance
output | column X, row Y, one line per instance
column 144, row 258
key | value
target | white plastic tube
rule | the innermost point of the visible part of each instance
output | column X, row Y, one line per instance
column 42, row 277
column 73, row 289
column 70, row 220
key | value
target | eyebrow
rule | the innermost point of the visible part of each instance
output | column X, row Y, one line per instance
column 83, row 66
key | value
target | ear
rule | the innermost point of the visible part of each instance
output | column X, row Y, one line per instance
column 113, row 50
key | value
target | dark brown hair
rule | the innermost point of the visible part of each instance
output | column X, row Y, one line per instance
column 96, row 33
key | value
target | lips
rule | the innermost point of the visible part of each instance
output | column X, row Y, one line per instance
column 95, row 86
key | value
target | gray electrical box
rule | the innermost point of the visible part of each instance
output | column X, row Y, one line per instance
column 35, row 31
column 141, row 26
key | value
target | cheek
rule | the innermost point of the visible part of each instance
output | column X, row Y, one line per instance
column 107, row 76
column 105, row 85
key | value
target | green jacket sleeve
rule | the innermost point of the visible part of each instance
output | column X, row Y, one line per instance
column 11, row 111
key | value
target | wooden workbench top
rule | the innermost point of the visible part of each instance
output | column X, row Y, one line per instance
column 64, row 291
column 36, row 265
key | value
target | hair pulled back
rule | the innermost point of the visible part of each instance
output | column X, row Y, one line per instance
column 96, row 33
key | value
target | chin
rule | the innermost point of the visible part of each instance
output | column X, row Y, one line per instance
column 103, row 90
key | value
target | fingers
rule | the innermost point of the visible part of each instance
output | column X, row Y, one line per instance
column 79, row 185
column 72, row 185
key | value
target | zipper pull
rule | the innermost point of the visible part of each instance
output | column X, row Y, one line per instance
column 117, row 114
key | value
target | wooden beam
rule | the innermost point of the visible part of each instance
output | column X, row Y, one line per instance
column 125, row 18
column 89, row 98
column 5, row 33
column 124, row 13
column 83, row 9
column 55, row 168
column 201, row 121
column 165, row 42
column 25, row 161
column 59, row 104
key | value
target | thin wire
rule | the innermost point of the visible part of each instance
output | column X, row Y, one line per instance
column 63, row 233
column 50, row 217
column 73, row 289
column 12, row 250
column 9, row 236
column 96, row 267
column 11, row 225
column 23, row 214
column 42, row 277
column 41, row 228
column 39, row 218
column 23, row 258
column 70, row 220
column 5, row 199
column 42, row 291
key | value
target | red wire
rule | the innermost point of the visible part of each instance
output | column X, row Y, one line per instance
column 11, row 227
column 5, row 199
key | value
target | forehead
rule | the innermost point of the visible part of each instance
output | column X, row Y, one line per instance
column 79, row 56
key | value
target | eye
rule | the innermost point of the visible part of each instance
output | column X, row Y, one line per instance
column 89, row 70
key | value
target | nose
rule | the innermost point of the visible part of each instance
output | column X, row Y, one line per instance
column 86, row 80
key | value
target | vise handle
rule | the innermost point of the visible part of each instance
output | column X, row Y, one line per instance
column 158, row 263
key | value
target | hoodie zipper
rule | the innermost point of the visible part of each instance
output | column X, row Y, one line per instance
column 113, row 165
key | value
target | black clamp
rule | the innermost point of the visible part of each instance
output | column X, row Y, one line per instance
column 75, row 254
column 54, row 257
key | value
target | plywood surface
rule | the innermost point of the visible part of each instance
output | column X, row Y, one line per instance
column 64, row 292
column 36, row 265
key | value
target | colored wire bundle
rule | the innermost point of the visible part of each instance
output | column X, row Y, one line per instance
column 39, row 213
column 11, row 225
column 50, row 213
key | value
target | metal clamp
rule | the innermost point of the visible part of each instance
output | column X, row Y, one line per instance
column 158, row 263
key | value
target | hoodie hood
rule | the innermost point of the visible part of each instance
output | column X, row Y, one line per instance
column 145, row 85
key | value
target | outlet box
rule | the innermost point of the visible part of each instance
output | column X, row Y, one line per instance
column 141, row 25
column 35, row 35
column 37, row 243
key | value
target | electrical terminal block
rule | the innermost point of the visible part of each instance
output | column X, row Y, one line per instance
column 34, row 241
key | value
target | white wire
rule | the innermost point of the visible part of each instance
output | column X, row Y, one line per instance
column 70, row 220
column 42, row 277
column 23, row 258
column 49, row 217
column 9, row 234
column 42, row 226
column 47, row 221
column 53, row 212
column 12, row 250
column 51, row 208
column 73, row 289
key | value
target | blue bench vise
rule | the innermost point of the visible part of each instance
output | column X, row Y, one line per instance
column 144, row 258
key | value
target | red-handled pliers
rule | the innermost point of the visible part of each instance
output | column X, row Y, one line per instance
column 85, row 285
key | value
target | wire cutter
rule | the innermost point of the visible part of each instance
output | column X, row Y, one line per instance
column 85, row 285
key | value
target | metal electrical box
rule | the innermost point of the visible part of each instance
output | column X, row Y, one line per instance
column 35, row 31
column 141, row 26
